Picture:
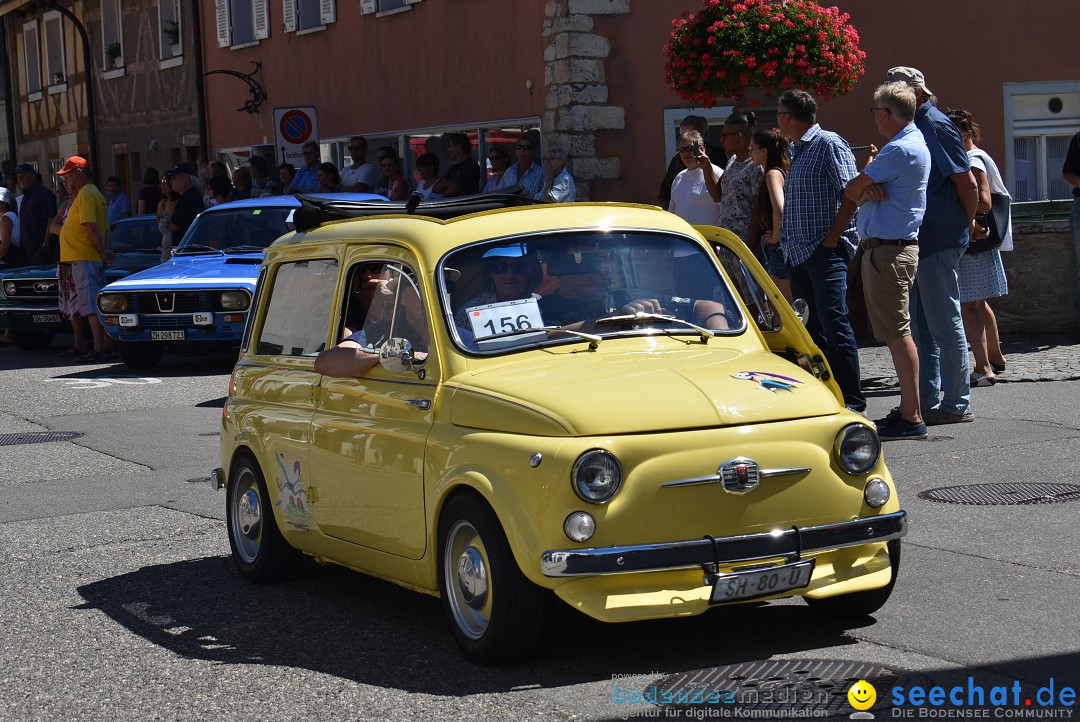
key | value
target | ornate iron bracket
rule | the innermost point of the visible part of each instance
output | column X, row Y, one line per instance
column 258, row 94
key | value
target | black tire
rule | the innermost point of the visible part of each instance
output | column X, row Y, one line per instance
column 140, row 356
column 259, row 550
column 32, row 340
column 859, row 604
column 495, row 613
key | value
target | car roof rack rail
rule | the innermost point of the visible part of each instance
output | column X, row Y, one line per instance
column 313, row 212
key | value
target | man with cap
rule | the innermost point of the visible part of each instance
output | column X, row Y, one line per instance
column 187, row 185
column 947, row 225
column 37, row 207
column 84, row 251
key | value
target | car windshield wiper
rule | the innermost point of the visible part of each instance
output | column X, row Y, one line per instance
column 705, row 333
column 198, row 248
column 244, row 248
column 592, row 338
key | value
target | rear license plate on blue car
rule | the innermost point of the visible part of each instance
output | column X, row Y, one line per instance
column 761, row 582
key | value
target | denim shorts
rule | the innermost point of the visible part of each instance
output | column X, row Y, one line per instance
column 774, row 260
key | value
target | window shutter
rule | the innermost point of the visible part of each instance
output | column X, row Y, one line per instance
column 368, row 6
column 260, row 15
column 327, row 12
column 288, row 15
column 221, row 7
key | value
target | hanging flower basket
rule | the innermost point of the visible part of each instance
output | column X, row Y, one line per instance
column 771, row 45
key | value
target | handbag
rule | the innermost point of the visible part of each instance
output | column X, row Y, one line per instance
column 997, row 221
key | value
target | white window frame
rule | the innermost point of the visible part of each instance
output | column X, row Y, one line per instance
column 260, row 14
column 291, row 16
column 55, row 75
column 32, row 61
column 170, row 59
column 1039, row 129
column 117, row 31
column 674, row 116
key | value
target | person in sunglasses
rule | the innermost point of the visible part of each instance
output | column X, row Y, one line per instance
column 695, row 192
column 512, row 273
column 526, row 171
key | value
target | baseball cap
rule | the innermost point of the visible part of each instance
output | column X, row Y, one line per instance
column 184, row 168
column 24, row 168
column 515, row 251
column 911, row 76
column 75, row 162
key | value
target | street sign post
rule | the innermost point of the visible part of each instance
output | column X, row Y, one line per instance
column 292, row 128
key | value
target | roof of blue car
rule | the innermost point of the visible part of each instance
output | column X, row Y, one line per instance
column 291, row 201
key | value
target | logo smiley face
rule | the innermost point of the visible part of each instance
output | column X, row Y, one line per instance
column 862, row 695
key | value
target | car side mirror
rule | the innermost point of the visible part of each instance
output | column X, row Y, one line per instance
column 802, row 310
column 396, row 355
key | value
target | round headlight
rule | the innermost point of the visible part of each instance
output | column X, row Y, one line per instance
column 857, row 448
column 113, row 303
column 9, row 288
column 877, row 493
column 234, row 301
column 597, row 476
column 579, row 526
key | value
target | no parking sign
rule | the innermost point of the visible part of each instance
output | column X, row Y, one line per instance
column 292, row 128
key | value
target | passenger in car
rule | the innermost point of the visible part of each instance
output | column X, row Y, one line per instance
column 511, row 272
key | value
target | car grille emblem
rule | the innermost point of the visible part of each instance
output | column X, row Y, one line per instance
column 166, row 302
column 740, row 475
column 44, row 286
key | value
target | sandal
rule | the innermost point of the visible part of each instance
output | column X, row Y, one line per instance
column 94, row 357
column 72, row 352
column 998, row 367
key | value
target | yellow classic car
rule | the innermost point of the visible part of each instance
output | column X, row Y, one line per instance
column 592, row 401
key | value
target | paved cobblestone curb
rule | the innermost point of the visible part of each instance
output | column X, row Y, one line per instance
column 1042, row 357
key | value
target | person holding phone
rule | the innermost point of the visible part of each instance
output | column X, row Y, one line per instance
column 695, row 192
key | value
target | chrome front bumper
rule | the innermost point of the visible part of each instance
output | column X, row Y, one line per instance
column 722, row 550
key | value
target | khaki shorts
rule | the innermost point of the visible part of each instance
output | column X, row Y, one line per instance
column 888, row 272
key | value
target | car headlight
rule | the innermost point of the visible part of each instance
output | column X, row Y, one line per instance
column 233, row 301
column 597, row 476
column 9, row 288
column 113, row 303
column 857, row 448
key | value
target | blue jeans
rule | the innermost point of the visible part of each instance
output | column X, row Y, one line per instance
column 822, row 282
column 1076, row 244
column 938, row 331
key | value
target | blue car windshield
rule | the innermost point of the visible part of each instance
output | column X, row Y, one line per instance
column 239, row 229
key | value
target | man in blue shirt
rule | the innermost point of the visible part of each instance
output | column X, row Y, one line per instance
column 817, row 236
column 951, row 198
column 526, row 171
column 119, row 204
column 891, row 194
column 306, row 179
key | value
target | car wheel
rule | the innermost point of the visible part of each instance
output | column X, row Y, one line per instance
column 495, row 613
column 258, row 548
column 859, row 604
column 140, row 355
column 31, row 340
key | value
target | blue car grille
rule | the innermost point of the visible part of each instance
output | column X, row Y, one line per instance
column 170, row 302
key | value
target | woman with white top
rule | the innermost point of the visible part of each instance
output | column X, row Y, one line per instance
column 695, row 192
column 982, row 275
column 10, row 237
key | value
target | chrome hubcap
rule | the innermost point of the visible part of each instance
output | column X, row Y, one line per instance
column 245, row 527
column 472, row 578
column 249, row 513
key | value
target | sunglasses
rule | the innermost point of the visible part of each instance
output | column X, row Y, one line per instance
column 518, row 268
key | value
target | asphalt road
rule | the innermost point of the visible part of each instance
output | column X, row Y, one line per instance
column 118, row 600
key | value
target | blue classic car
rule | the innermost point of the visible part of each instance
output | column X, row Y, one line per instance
column 198, row 300
column 29, row 295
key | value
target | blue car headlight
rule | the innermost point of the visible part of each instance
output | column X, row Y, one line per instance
column 234, row 301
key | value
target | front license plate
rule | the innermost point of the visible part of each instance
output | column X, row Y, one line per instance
column 166, row 335
column 762, row 582
column 46, row 318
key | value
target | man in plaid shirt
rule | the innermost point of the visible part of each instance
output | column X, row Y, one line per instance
column 817, row 235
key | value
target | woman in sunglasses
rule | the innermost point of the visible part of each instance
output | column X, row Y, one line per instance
column 500, row 161
column 511, row 273
column 695, row 193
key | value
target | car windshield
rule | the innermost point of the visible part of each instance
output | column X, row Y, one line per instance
column 137, row 235
column 584, row 286
column 245, row 228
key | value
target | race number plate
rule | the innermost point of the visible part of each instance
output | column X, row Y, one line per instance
column 46, row 318
column 129, row 319
column 166, row 335
column 203, row 319
column 764, row 582
column 504, row 317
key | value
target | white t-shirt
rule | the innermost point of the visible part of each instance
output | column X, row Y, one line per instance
column 366, row 173
column 690, row 199
column 16, row 235
column 981, row 159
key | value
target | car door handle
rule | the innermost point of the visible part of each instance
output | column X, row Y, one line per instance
column 422, row 404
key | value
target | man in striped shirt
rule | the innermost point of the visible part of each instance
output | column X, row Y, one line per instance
column 817, row 235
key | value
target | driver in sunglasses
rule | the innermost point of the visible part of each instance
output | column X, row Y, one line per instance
column 511, row 273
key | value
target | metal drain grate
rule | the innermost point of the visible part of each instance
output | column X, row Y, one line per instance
column 37, row 437
column 1003, row 494
column 814, row 687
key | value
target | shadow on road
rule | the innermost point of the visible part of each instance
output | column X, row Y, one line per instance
column 359, row 628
